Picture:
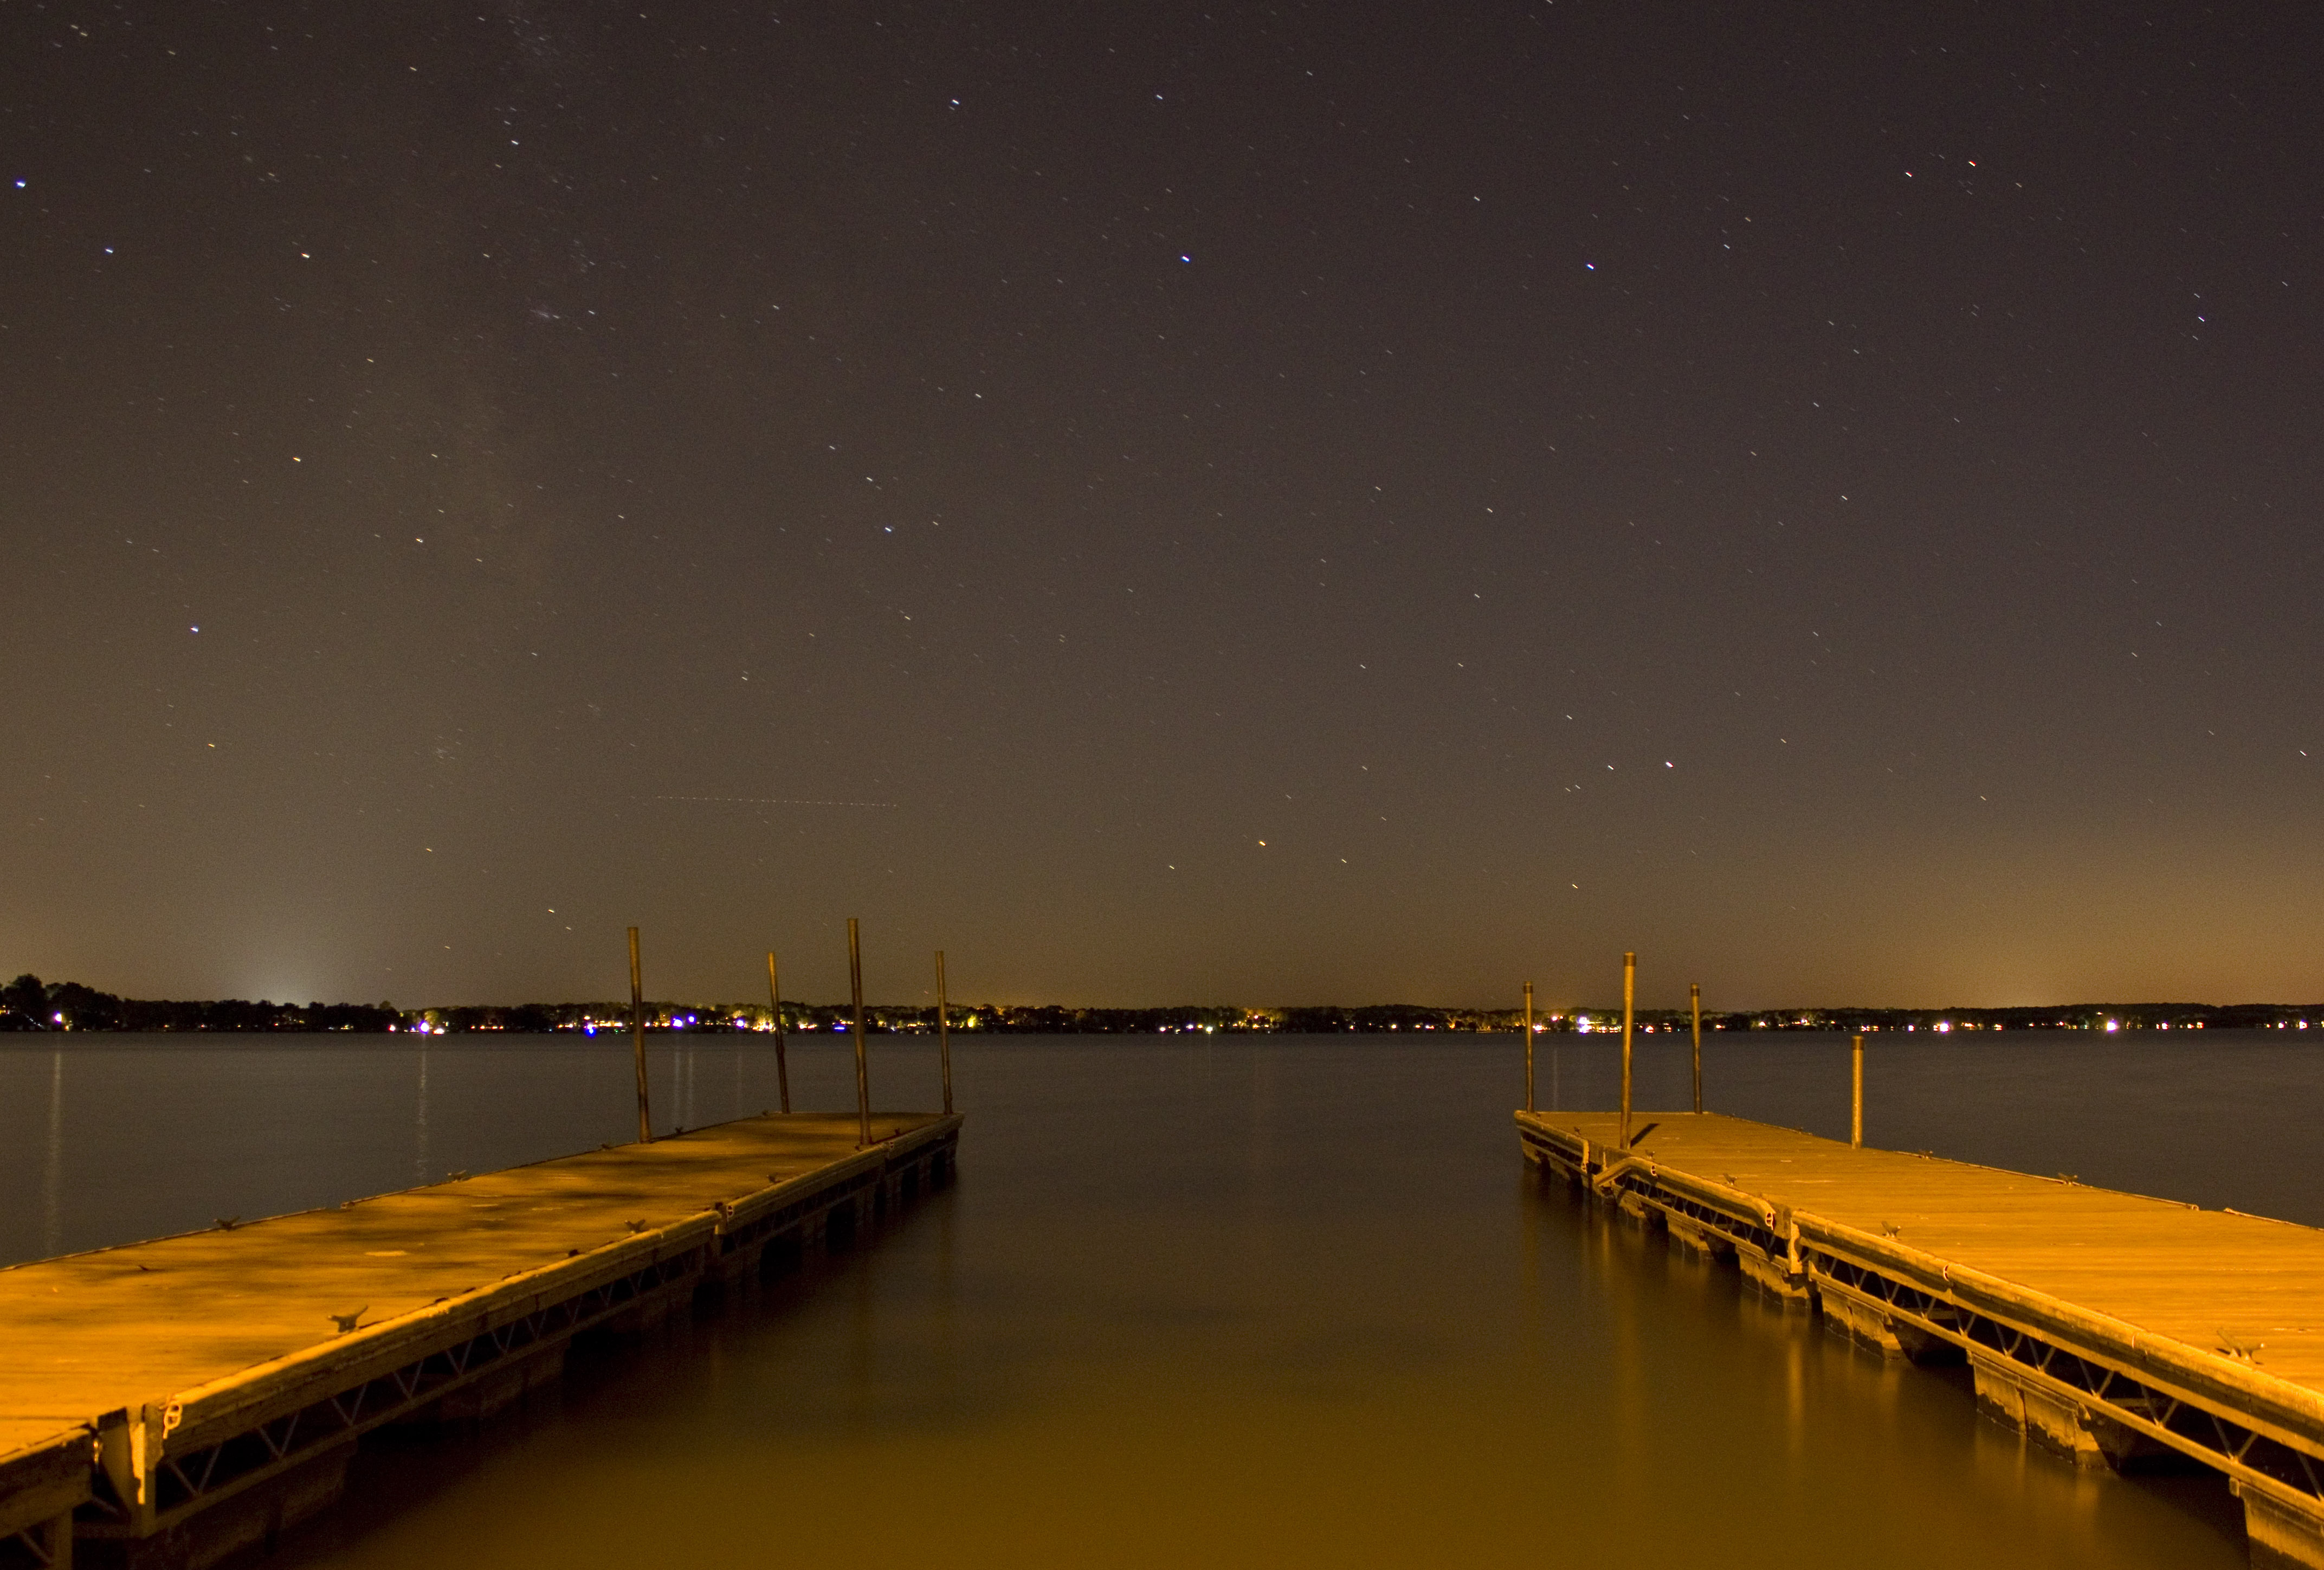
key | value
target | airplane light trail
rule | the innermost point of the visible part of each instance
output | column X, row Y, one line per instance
column 770, row 802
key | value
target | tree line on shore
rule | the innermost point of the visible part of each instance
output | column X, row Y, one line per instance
column 27, row 1003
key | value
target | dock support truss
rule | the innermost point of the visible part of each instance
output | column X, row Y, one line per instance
column 182, row 1479
column 41, row 1545
column 2096, row 1409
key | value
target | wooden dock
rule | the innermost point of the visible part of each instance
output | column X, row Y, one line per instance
column 164, row 1404
column 2111, row 1327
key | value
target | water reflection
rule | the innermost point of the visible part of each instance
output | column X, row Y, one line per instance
column 1253, row 1303
column 52, row 1170
column 421, row 1171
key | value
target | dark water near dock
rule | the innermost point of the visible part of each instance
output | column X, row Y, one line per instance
column 1271, row 1301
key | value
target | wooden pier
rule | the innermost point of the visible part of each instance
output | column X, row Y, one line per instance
column 165, row 1404
column 2113, row 1328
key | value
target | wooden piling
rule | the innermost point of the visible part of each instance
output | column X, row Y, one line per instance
column 1528, row 1031
column 862, row 1072
column 782, row 1068
column 1694, row 1000
column 944, row 1034
column 1856, row 1094
column 638, row 1039
column 1629, row 1000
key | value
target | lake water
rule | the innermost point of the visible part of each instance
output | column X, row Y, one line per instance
column 1272, row 1301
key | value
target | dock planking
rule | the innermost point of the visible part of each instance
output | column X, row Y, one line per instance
column 168, row 1402
column 2114, row 1328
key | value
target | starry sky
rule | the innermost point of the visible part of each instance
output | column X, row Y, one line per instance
column 1168, row 501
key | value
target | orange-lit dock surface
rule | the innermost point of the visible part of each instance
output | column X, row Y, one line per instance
column 2108, row 1326
column 166, row 1403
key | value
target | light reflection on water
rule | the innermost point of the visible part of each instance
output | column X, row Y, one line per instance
column 1283, row 1301
column 52, row 1168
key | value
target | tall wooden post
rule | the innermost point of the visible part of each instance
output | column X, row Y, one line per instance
column 1629, row 1000
column 638, row 1038
column 1694, row 998
column 1856, row 1095
column 863, row 1073
column 774, row 997
column 1528, row 1029
column 944, row 1034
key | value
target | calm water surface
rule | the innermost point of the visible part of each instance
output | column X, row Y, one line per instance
column 1284, row 1301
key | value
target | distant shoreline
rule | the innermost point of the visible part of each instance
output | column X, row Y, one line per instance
column 28, row 1006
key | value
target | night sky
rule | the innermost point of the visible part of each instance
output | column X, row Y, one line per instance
column 1274, row 504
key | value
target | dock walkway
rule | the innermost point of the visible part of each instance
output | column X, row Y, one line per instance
column 165, row 1403
column 2110, row 1326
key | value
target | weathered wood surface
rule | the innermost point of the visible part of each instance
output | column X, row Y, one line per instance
column 2215, row 1281
column 2111, row 1324
column 189, row 1340
column 95, row 1331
